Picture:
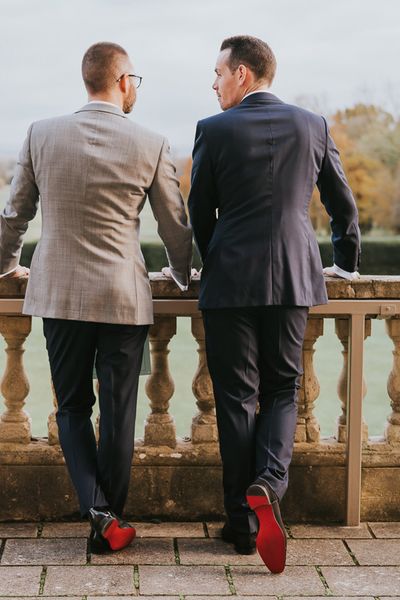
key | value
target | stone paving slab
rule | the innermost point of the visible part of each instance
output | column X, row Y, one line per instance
column 169, row 530
column 357, row 581
column 142, row 551
column 64, row 530
column 330, row 598
column 213, row 552
column 330, row 531
column 214, row 528
column 183, row 580
column 20, row 581
column 131, row 598
column 386, row 530
column 300, row 552
column 45, row 552
column 376, row 552
column 18, row 530
column 294, row 580
column 227, row 598
column 89, row 580
column 318, row 552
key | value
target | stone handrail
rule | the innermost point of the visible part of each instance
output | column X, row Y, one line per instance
column 161, row 450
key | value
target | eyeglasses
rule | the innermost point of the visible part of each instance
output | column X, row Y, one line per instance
column 137, row 83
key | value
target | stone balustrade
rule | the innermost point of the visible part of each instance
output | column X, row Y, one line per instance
column 181, row 478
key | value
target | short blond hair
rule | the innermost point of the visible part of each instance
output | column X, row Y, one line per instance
column 100, row 64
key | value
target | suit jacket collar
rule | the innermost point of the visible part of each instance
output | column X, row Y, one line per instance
column 101, row 107
column 261, row 98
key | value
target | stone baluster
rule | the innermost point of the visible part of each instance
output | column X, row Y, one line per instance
column 15, row 424
column 52, row 426
column 204, row 424
column 308, row 429
column 160, row 426
column 392, row 429
column 342, row 328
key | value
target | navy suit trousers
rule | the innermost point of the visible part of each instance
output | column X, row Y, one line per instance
column 100, row 473
column 255, row 359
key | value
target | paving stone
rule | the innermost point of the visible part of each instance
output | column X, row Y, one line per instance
column 89, row 580
column 214, row 528
column 142, row 551
column 358, row 581
column 183, row 580
column 294, row 580
column 19, row 581
column 376, row 552
column 318, row 552
column 45, row 552
column 63, row 530
column 213, row 552
column 386, row 530
column 330, row 598
column 226, row 598
column 131, row 598
column 169, row 530
column 330, row 531
column 18, row 530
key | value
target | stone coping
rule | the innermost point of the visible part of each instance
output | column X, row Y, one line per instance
column 326, row 452
column 367, row 287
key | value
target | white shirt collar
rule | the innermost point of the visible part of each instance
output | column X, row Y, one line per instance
column 261, row 90
column 104, row 102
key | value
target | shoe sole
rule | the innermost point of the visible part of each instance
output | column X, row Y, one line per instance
column 271, row 539
column 118, row 537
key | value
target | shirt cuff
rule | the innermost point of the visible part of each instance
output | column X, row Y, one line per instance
column 345, row 274
column 183, row 288
column 8, row 272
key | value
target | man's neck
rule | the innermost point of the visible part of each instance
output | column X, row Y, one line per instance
column 108, row 98
column 255, row 88
column 256, row 91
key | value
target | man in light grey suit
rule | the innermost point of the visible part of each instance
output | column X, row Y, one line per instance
column 93, row 171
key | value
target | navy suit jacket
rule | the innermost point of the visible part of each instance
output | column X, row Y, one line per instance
column 254, row 170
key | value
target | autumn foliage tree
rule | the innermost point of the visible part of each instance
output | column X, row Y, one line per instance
column 368, row 139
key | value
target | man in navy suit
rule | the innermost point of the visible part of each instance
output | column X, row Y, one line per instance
column 254, row 169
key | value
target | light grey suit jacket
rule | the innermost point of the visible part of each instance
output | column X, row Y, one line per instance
column 93, row 171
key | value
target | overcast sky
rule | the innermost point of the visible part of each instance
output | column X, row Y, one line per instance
column 338, row 51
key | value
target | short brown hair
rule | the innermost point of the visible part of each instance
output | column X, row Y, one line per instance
column 253, row 53
column 99, row 66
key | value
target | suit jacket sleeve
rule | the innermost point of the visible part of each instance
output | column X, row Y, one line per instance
column 203, row 196
column 169, row 211
column 20, row 209
column 339, row 202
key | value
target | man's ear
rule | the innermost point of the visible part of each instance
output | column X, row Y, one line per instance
column 242, row 70
column 123, row 84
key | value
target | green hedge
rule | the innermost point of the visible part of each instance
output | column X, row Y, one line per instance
column 379, row 257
